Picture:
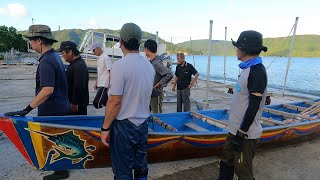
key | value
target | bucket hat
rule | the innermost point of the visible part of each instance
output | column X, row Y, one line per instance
column 250, row 42
column 40, row 31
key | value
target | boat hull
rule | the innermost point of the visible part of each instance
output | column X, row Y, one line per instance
column 50, row 145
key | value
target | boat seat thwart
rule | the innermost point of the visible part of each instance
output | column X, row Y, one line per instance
column 271, row 121
column 293, row 107
column 195, row 127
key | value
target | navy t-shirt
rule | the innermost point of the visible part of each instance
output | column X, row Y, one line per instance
column 51, row 73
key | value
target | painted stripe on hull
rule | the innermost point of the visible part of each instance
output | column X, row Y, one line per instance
column 37, row 143
column 9, row 129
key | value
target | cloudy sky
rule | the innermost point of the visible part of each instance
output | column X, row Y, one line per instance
column 176, row 19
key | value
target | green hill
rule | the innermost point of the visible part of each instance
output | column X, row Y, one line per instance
column 304, row 46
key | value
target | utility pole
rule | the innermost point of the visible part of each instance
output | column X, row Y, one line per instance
column 290, row 54
column 208, row 66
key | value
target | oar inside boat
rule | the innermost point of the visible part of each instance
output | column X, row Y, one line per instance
column 163, row 124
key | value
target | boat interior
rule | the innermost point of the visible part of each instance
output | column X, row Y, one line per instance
column 203, row 122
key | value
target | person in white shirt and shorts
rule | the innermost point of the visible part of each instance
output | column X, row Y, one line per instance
column 104, row 65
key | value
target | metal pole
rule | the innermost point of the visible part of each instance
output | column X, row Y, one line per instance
column 59, row 32
column 157, row 40
column 290, row 54
column 208, row 67
column 194, row 64
column 225, row 54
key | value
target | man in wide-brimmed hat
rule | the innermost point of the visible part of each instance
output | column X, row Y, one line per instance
column 246, row 109
column 51, row 82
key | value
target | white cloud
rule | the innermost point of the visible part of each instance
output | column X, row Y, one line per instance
column 14, row 10
column 92, row 23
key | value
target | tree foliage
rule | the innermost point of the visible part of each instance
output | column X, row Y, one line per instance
column 10, row 38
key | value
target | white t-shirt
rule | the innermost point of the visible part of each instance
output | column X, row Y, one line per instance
column 104, row 65
column 132, row 78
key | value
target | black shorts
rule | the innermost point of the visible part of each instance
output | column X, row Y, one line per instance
column 101, row 98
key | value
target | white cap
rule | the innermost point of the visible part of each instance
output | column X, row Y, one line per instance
column 95, row 45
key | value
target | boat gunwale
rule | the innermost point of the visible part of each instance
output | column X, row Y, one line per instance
column 180, row 133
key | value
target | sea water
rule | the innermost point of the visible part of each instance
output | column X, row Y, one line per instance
column 303, row 75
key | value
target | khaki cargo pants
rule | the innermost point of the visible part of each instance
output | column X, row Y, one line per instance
column 241, row 161
column 156, row 104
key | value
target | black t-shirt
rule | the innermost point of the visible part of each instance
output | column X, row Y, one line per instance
column 78, row 78
column 184, row 74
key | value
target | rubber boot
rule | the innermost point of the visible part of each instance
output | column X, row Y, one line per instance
column 226, row 172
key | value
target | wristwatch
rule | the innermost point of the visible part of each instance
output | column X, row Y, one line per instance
column 103, row 129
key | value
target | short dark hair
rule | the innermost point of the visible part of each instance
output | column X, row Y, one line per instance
column 151, row 45
column 132, row 45
column 45, row 41
column 181, row 54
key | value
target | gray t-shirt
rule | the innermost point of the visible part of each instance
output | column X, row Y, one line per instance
column 251, row 80
column 132, row 77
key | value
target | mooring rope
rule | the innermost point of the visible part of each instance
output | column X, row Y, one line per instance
column 281, row 46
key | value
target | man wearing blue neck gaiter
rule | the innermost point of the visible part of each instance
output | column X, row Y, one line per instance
column 246, row 109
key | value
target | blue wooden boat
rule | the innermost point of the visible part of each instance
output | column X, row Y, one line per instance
column 73, row 142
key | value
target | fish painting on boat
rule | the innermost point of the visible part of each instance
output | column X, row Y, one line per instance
column 73, row 142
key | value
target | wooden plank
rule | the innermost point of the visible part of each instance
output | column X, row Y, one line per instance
column 286, row 114
column 212, row 121
column 311, row 107
column 315, row 110
column 272, row 121
column 293, row 107
column 195, row 127
column 310, row 102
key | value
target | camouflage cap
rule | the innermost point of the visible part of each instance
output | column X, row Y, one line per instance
column 129, row 31
column 40, row 31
